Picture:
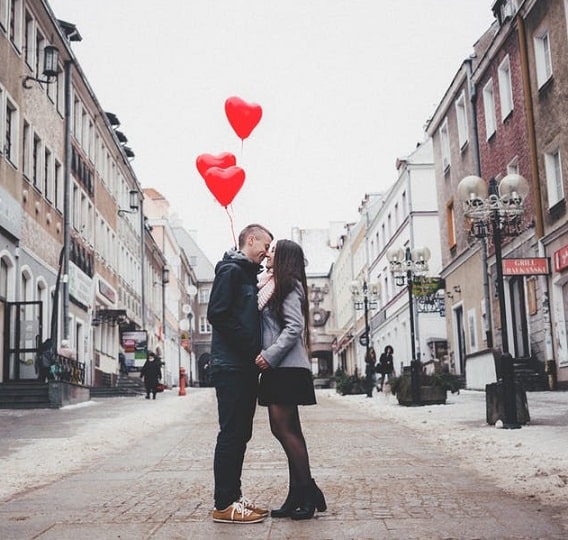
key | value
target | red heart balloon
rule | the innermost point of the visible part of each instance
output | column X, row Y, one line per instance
column 225, row 183
column 242, row 116
column 206, row 161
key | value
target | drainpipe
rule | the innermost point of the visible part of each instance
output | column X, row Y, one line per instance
column 477, row 167
column 66, row 201
column 142, row 261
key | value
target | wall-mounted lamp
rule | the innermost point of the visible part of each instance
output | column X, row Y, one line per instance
column 165, row 275
column 50, row 67
column 133, row 203
column 457, row 288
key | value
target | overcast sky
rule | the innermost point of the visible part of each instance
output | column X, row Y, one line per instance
column 346, row 87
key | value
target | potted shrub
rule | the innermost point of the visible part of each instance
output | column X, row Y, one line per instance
column 433, row 388
column 349, row 384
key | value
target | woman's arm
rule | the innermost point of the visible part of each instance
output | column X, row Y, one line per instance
column 292, row 331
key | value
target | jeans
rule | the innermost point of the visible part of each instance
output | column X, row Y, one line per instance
column 236, row 403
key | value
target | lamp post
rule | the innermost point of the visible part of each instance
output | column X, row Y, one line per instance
column 365, row 298
column 495, row 212
column 406, row 266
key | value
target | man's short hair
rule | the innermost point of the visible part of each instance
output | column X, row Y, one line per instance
column 253, row 228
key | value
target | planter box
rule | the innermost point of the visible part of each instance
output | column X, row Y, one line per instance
column 429, row 395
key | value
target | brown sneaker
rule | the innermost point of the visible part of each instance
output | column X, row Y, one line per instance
column 236, row 513
column 251, row 506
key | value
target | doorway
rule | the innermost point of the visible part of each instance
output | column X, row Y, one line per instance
column 460, row 340
column 23, row 331
column 519, row 324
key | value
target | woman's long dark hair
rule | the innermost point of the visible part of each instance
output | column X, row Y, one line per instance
column 289, row 267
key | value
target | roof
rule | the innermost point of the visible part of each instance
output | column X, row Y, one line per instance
column 202, row 266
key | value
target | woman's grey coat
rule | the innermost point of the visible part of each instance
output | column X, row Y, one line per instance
column 284, row 347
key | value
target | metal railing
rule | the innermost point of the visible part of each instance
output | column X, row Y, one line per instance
column 68, row 370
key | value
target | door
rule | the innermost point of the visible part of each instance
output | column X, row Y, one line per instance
column 23, row 329
column 460, row 337
column 521, row 348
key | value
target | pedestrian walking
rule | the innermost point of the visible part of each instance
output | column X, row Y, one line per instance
column 235, row 343
column 44, row 360
column 370, row 370
column 151, row 372
column 386, row 365
column 286, row 380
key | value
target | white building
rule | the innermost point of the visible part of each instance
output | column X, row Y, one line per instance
column 407, row 218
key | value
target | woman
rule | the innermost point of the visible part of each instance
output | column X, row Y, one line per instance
column 386, row 365
column 152, row 373
column 286, row 379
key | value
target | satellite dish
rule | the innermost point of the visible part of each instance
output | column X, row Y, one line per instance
column 186, row 308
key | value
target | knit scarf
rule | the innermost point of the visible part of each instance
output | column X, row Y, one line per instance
column 265, row 288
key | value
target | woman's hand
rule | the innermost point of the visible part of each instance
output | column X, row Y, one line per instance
column 261, row 363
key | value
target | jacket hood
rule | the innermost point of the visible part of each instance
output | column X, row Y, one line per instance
column 235, row 256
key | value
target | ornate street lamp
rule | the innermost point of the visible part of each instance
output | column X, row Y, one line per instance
column 495, row 212
column 406, row 266
column 365, row 298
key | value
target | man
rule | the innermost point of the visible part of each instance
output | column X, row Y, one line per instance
column 235, row 343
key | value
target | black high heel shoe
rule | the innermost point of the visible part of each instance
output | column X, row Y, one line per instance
column 290, row 504
column 312, row 498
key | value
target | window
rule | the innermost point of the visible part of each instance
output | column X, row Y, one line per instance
column 445, row 144
column 40, row 44
column 489, row 106
column 10, row 143
column 36, row 157
column 29, row 41
column 204, row 295
column 3, row 279
column 27, row 144
column 48, row 174
column 16, row 23
column 4, row 14
column 451, row 221
column 58, row 186
column 505, row 88
column 554, row 185
column 472, row 330
column 513, row 166
column 204, row 326
column 542, row 58
column 461, row 118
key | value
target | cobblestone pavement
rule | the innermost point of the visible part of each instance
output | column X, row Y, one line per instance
column 381, row 480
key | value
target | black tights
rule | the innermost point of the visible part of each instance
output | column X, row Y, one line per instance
column 285, row 426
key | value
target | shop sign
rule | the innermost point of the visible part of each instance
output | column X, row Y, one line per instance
column 10, row 214
column 536, row 266
column 107, row 291
column 561, row 259
column 80, row 285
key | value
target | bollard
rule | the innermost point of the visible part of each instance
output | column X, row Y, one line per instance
column 509, row 393
column 181, row 382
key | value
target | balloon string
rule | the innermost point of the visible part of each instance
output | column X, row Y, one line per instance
column 232, row 225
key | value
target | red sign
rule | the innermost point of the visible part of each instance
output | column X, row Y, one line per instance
column 526, row 267
column 561, row 259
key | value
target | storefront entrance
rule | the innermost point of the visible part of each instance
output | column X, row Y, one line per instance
column 23, row 328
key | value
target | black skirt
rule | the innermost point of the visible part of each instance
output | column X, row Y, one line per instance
column 286, row 386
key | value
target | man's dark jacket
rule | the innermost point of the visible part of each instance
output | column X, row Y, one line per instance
column 233, row 313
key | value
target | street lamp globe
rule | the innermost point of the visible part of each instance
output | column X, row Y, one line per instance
column 472, row 190
column 514, row 188
column 420, row 255
column 395, row 255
